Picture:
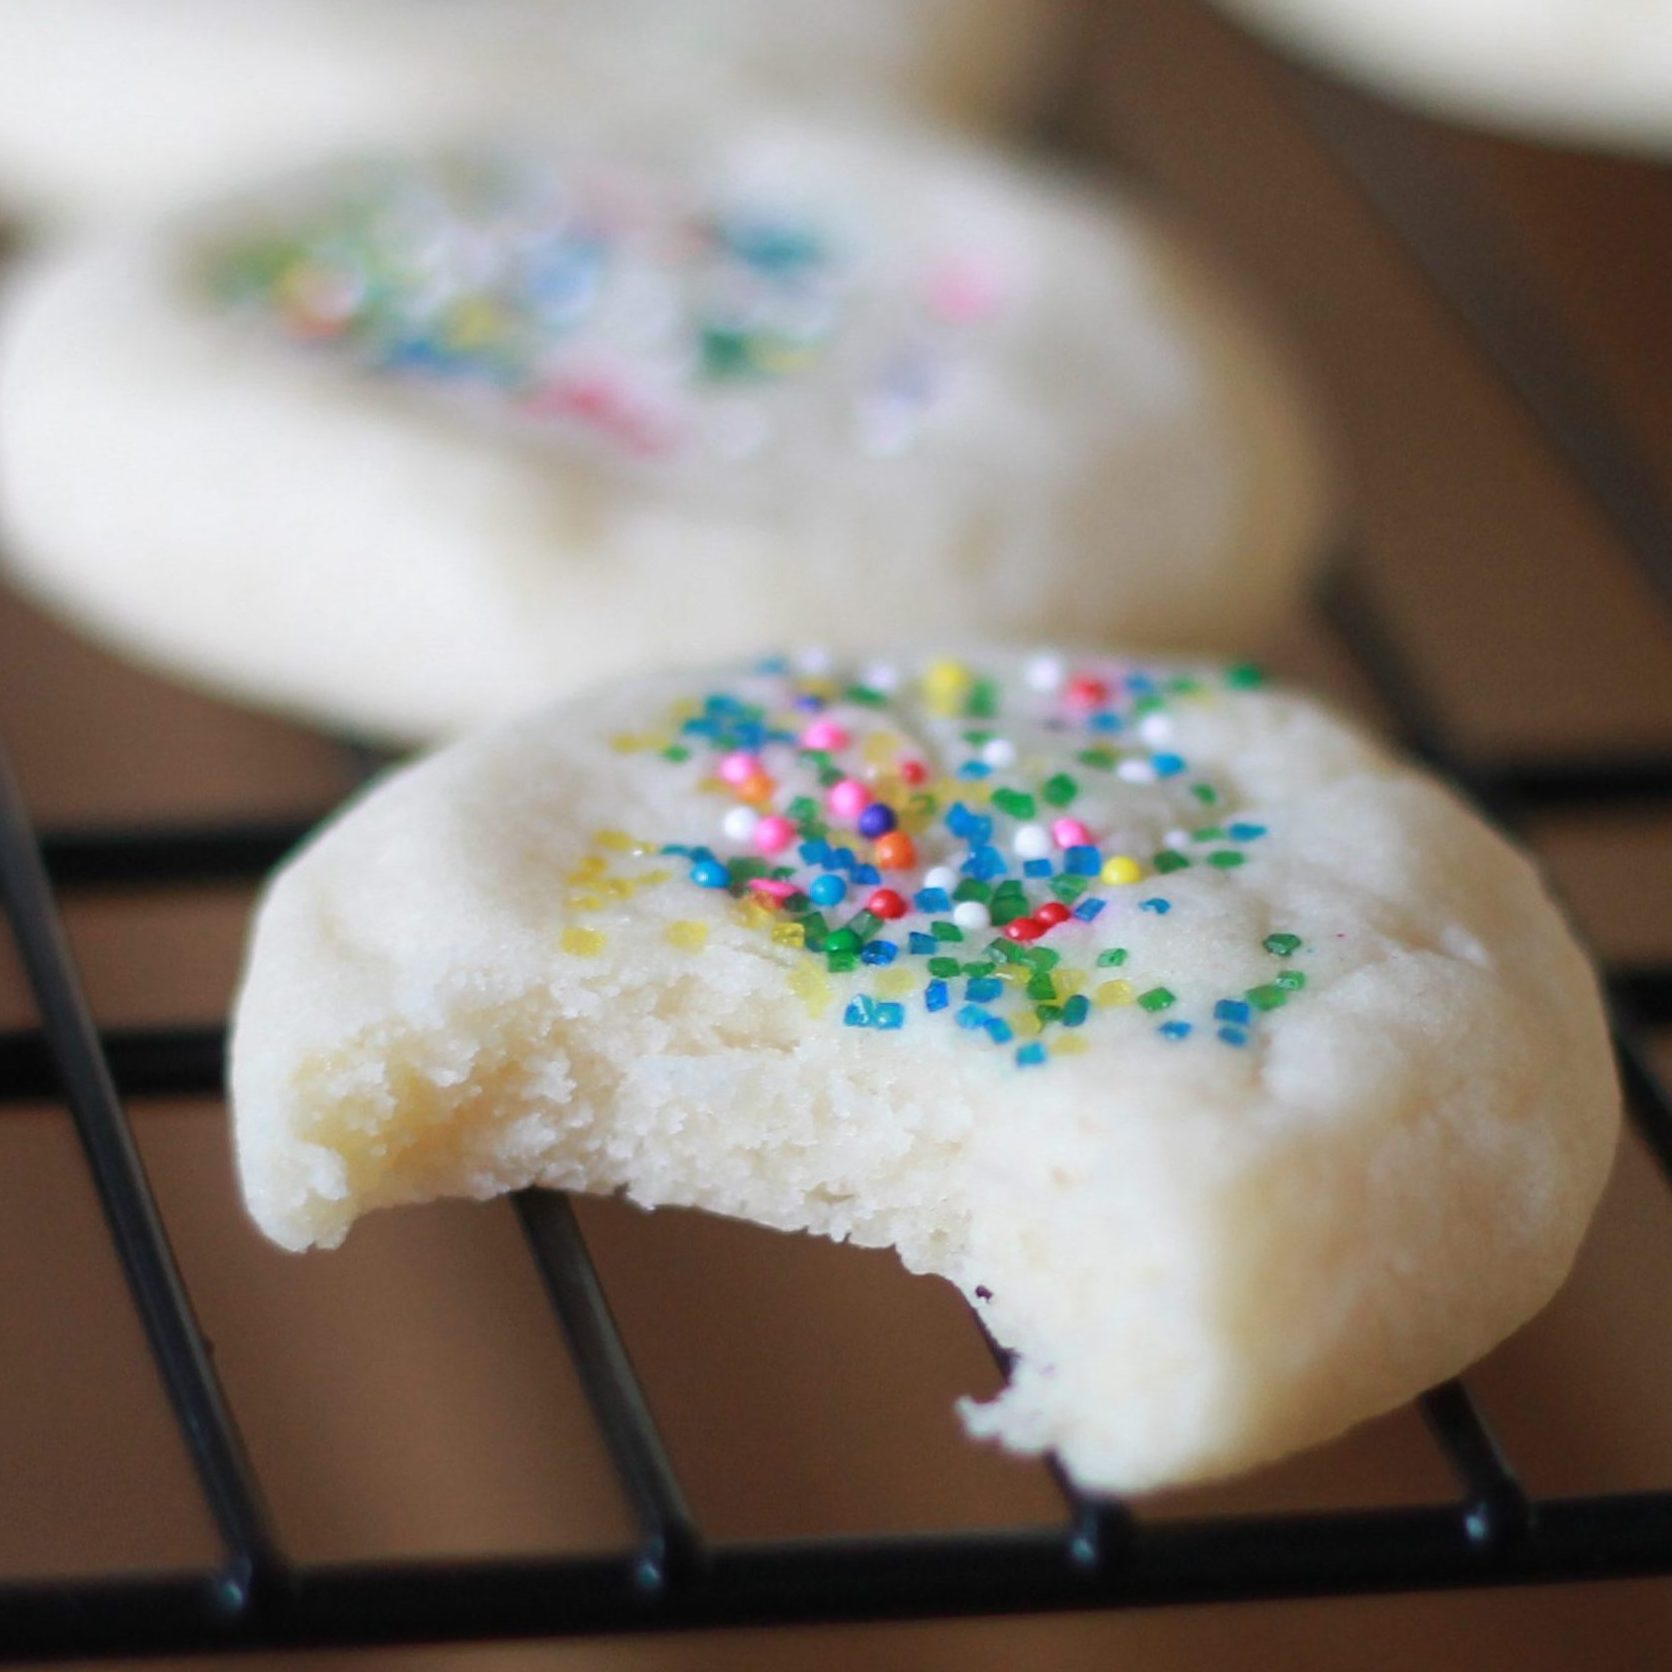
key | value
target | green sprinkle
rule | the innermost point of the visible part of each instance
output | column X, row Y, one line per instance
column 839, row 963
column 1069, row 889
column 1042, row 986
column 980, row 969
column 1150, row 703
column 1040, row 957
column 1048, row 1013
column 843, row 940
column 1206, row 794
column 1208, row 833
column 1227, row 859
column 867, row 695
column 1168, row 860
column 746, row 870
column 1112, row 958
column 946, row 968
column 1003, row 951
column 944, row 931
column 1291, row 981
column 1059, row 790
column 831, row 775
column 983, row 701
column 1184, row 684
column 1266, row 997
column 1281, row 946
column 1006, row 908
column 1158, row 998
column 676, row 752
column 1103, row 760
column 973, row 889
column 864, row 924
column 1245, row 676
column 1014, row 802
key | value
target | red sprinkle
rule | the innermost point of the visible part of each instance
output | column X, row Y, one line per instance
column 1084, row 691
column 1024, row 929
column 886, row 903
column 914, row 772
column 1051, row 914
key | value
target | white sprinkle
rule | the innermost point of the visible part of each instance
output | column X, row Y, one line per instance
column 971, row 914
column 1135, row 772
column 1175, row 838
column 813, row 659
column 1156, row 729
column 999, row 752
column 940, row 876
column 1044, row 673
column 1031, row 841
column 882, row 676
column 739, row 823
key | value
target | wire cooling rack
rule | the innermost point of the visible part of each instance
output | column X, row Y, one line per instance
column 1101, row 1554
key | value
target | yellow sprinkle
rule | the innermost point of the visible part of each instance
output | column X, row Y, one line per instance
column 897, row 983
column 586, row 902
column 755, row 915
column 616, row 888
column 1068, row 1045
column 689, row 934
column 1113, row 992
column 946, row 679
column 881, row 748
column 587, row 869
column 1070, row 982
column 810, row 984
column 625, row 743
column 584, row 943
column 819, row 686
column 472, row 323
column 1028, row 1025
column 788, row 934
column 1122, row 868
column 617, row 841
column 688, row 708
column 652, row 878
column 714, row 786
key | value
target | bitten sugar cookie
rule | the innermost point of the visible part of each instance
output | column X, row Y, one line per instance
column 1595, row 72
column 412, row 445
column 1245, row 1081
column 112, row 107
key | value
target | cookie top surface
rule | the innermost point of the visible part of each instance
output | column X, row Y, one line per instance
column 470, row 429
column 1190, row 1034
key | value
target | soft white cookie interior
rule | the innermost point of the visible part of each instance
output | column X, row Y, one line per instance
column 1126, row 455
column 1205, row 1256
column 1594, row 71
column 118, row 107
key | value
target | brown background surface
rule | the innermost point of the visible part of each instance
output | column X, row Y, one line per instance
column 409, row 1394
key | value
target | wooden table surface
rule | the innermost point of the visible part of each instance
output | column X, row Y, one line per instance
column 409, row 1394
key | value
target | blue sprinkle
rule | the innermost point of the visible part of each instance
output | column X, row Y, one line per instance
column 1246, row 832
column 890, row 1016
column 959, row 819
column 877, row 820
column 1107, row 722
column 1076, row 1010
column 1167, row 766
column 932, row 899
column 700, row 854
column 816, row 852
column 975, row 769
column 879, row 952
column 1232, row 1010
column 1088, row 911
column 983, row 989
column 828, row 891
column 1141, row 683
column 842, row 859
column 1174, row 1030
column 675, row 847
column 866, row 874
column 936, row 996
column 1233, row 1036
column 984, row 863
column 999, row 1030
column 1159, row 906
column 809, row 703
column 860, row 1013
column 772, row 665
column 923, row 946
column 1030, row 1056
column 1083, row 860
column 971, row 1016
column 1036, row 867
column 708, row 873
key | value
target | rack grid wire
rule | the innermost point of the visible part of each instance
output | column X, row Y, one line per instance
column 1101, row 1554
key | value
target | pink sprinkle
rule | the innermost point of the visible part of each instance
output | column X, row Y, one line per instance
column 739, row 767
column 824, row 734
column 774, row 833
column 774, row 888
column 848, row 799
column 1070, row 833
column 966, row 289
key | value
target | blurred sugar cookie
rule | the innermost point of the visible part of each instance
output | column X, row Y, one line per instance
column 1594, row 72
column 409, row 444
column 1244, row 1080
column 116, row 106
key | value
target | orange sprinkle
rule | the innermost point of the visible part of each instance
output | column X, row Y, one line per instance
column 896, row 851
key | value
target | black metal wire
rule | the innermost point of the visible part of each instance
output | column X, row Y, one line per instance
column 1104, row 1554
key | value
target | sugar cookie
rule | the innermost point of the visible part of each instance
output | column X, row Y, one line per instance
column 413, row 445
column 1245, row 1081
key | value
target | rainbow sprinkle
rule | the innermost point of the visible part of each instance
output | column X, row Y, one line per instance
column 606, row 301
column 905, row 891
